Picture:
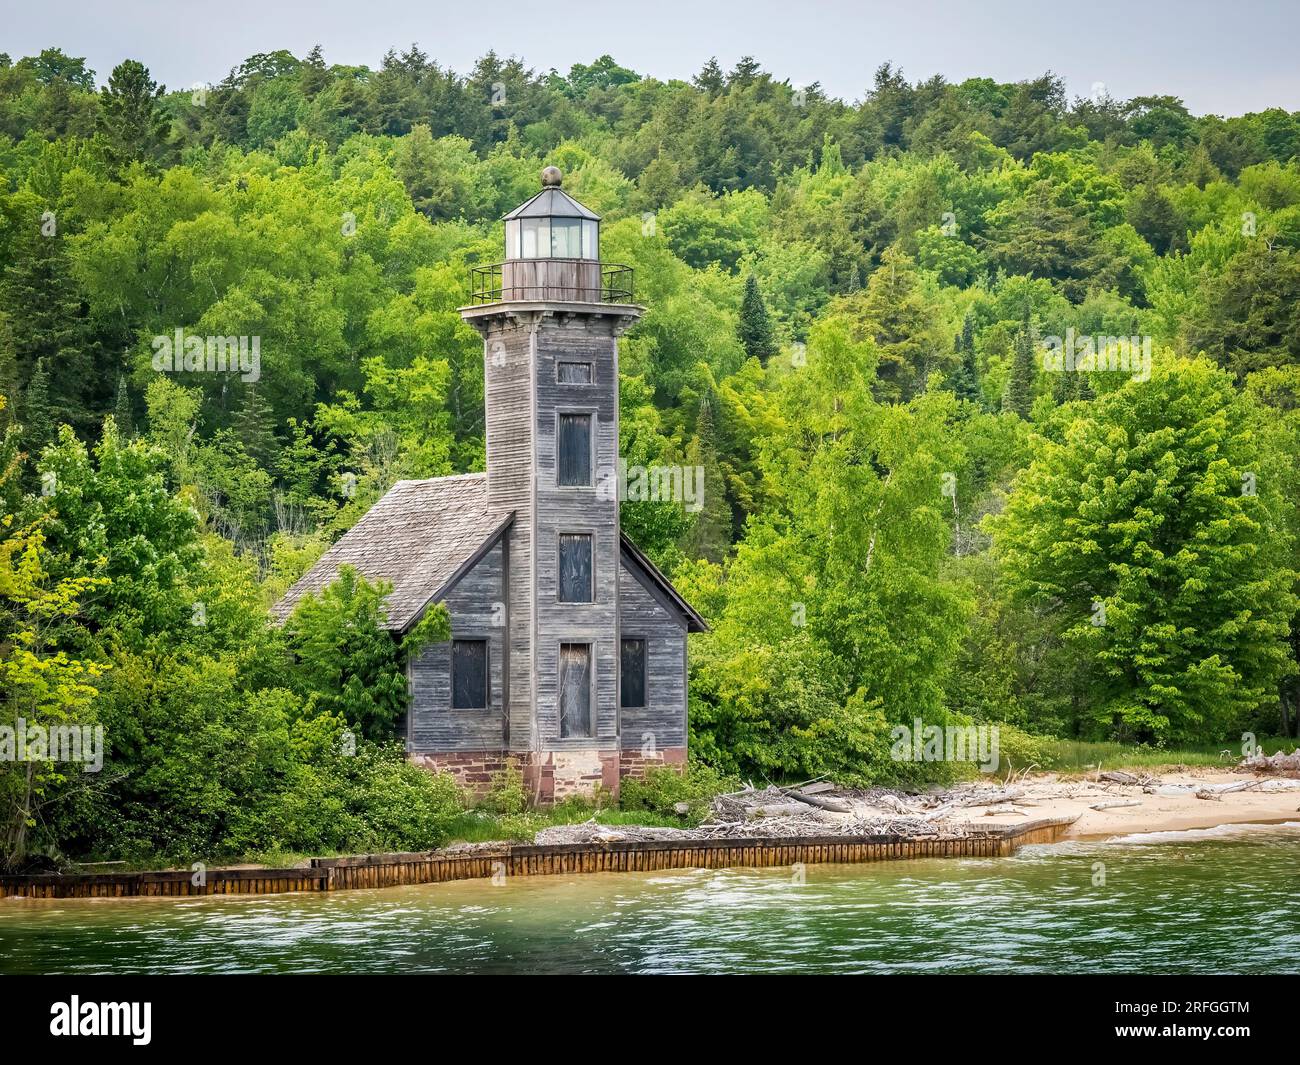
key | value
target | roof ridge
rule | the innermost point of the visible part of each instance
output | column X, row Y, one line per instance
column 444, row 477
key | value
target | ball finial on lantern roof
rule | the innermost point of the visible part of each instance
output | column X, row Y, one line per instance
column 551, row 177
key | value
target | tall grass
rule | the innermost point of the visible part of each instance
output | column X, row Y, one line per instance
column 1079, row 756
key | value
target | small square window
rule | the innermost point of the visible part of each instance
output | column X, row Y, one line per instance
column 575, row 568
column 469, row 674
column 573, row 373
column 631, row 687
column 574, row 450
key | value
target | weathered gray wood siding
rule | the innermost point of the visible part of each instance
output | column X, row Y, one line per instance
column 645, row 617
column 508, row 390
column 594, row 510
column 477, row 613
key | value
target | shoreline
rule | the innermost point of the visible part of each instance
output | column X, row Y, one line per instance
column 1156, row 808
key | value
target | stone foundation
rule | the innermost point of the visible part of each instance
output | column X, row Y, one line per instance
column 549, row 776
column 472, row 770
column 634, row 764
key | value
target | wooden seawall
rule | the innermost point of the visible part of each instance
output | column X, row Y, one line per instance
column 427, row 867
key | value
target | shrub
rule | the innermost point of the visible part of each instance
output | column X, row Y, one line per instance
column 506, row 794
column 1019, row 749
column 663, row 787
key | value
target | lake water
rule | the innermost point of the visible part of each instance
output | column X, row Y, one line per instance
column 1217, row 901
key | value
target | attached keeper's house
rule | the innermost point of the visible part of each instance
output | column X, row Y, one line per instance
column 568, row 648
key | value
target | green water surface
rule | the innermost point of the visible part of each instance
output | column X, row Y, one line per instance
column 1222, row 901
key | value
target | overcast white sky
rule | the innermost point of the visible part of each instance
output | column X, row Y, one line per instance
column 1220, row 56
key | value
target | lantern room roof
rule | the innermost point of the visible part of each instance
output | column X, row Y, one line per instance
column 551, row 202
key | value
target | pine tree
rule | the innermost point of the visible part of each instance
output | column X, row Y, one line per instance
column 8, row 373
column 38, row 423
column 1019, row 398
column 710, row 80
column 899, row 318
column 755, row 327
column 965, row 379
column 254, row 427
column 122, row 409
column 314, row 74
column 46, row 320
column 710, row 535
column 129, row 120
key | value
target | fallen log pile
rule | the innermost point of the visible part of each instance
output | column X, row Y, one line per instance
column 822, row 809
column 1286, row 764
column 815, row 809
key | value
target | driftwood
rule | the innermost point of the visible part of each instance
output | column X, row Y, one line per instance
column 1118, row 776
column 1274, row 763
column 1113, row 805
column 776, row 809
column 838, row 806
column 993, row 798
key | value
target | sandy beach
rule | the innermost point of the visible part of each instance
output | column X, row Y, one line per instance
column 1171, row 805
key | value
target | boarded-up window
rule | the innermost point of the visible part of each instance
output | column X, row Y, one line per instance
column 469, row 674
column 575, row 690
column 573, row 373
column 575, row 567
column 575, row 449
column 632, row 674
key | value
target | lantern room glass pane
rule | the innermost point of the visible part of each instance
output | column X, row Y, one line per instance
column 589, row 243
column 536, row 234
column 512, row 239
column 566, row 238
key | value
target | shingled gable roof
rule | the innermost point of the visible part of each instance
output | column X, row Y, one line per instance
column 640, row 564
column 420, row 537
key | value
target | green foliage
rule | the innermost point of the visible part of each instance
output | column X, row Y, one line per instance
column 507, row 794
column 1153, row 530
column 347, row 665
column 663, row 788
column 838, row 297
column 755, row 327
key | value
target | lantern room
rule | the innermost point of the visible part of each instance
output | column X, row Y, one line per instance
column 552, row 255
column 552, row 225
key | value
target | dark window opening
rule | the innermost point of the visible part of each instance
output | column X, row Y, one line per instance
column 575, row 450
column 575, row 568
column 575, row 690
column 573, row 373
column 631, row 687
column 469, row 674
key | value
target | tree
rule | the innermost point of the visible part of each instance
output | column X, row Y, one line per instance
column 755, row 327
column 833, row 620
column 1019, row 397
column 42, row 687
column 710, row 534
column 255, row 428
column 347, row 664
column 965, row 378
column 1153, row 528
column 122, row 408
column 38, row 425
column 48, row 323
column 133, row 128
column 895, row 312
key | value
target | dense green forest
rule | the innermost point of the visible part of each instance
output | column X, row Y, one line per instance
column 995, row 394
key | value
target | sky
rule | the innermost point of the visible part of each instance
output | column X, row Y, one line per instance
column 1220, row 57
